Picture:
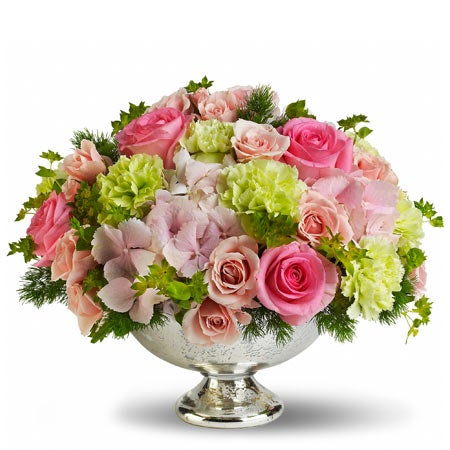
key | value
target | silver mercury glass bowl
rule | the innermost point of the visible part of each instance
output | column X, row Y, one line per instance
column 228, row 396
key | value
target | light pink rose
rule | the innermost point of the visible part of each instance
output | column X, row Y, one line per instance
column 231, row 274
column 316, row 145
column 252, row 140
column 84, row 307
column 85, row 163
column 155, row 133
column 295, row 281
column 70, row 188
column 70, row 264
column 211, row 323
column 320, row 215
column 47, row 226
column 178, row 100
column 221, row 105
column 374, row 167
column 418, row 276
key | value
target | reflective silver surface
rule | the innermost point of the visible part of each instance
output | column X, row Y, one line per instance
column 228, row 396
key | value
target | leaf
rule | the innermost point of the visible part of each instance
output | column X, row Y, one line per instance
column 363, row 132
column 126, row 117
column 178, row 291
column 45, row 172
column 428, row 211
column 352, row 122
column 194, row 86
column 25, row 246
column 298, row 109
column 51, row 156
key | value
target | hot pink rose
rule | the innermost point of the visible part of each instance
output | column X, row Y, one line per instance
column 316, row 145
column 296, row 281
column 320, row 215
column 220, row 105
column 231, row 274
column 84, row 307
column 374, row 167
column 85, row 163
column 47, row 226
column 178, row 100
column 252, row 140
column 70, row 264
column 155, row 133
column 211, row 323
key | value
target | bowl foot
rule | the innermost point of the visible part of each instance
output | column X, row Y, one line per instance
column 229, row 401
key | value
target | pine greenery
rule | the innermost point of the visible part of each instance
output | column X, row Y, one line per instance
column 38, row 288
column 104, row 143
column 259, row 105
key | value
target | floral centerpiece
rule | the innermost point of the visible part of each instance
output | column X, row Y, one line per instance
column 234, row 217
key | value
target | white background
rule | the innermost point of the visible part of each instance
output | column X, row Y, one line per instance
column 70, row 65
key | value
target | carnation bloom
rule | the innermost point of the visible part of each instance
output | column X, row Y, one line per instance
column 131, row 183
column 373, row 279
column 409, row 224
column 211, row 323
column 295, row 281
column 119, row 296
column 123, row 250
column 208, row 136
column 261, row 185
column 47, row 226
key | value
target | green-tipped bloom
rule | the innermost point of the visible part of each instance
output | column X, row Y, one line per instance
column 373, row 279
column 409, row 224
column 208, row 136
column 129, row 184
column 261, row 185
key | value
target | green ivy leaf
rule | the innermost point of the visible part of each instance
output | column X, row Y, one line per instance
column 25, row 246
column 51, row 156
column 428, row 211
column 194, row 86
column 178, row 291
column 134, row 111
column 298, row 109
column 45, row 172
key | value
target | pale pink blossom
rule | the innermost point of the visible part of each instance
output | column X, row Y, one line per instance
column 70, row 188
column 374, row 167
column 70, row 264
column 119, row 296
column 231, row 273
column 84, row 307
column 418, row 277
column 85, row 163
column 296, row 281
column 124, row 251
column 320, row 215
column 212, row 323
column 252, row 141
column 178, row 100
column 47, row 226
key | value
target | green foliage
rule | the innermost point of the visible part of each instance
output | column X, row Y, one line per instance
column 298, row 109
column 334, row 250
column 351, row 123
column 335, row 321
column 25, row 246
column 259, row 105
column 105, row 144
column 85, row 234
column 126, row 117
column 30, row 206
column 264, row 321
column 402, row 299
column 94, row 279
column 428, row 211
column 414, row 258
column 86, row 206
column 38, row 288
column 194, row 86
column 270, row 230
column 51, row 156
column 422, row 308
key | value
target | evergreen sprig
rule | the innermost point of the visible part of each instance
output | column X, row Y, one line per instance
column 134, row 111
column 264, row 321
column 402, row 300
column 259, row 105
column 38, row 288
column 428, row 211
column 105, row 144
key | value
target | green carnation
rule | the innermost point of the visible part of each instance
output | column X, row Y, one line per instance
column 373, row 279
column 409, row 224
column 208, row 136
column 129, row 186
column 261, row 185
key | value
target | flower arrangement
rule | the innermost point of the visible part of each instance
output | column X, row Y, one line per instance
column 232, row 216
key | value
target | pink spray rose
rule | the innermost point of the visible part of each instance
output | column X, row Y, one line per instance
column 320, row 215
column 84, row 307
column 155, row 133
column 85, row 163
column 178, row 100
column 252, row 140
column 418, row 276
column 70, row 188
column 316, row 145
column 211, row 323
column 231, row 274
column 47, row 226
column 296, row 281
column 374, row 167
column 70, row 264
